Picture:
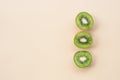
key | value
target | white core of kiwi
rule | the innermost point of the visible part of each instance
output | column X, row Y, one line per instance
column 83, row 40
column 84, row 21
column 83, row 59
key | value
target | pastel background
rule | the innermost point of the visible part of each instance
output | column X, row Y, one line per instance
column 36, row 39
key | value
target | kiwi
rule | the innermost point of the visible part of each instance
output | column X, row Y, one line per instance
column 83, row 40
column 82, row 59
column 84, row 21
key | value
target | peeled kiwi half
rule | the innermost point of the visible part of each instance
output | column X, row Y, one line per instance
column 82, row 59
column 84, row 21
column 83, row 40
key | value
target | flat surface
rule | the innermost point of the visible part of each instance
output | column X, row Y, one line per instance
column 36, row 39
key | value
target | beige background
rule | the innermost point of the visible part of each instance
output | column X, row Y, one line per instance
column 36, row 39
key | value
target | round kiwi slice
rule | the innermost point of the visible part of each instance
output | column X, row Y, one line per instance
column 83, row 40
column 82, row 59
column 84, row 21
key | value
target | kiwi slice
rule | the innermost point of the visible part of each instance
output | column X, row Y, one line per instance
column 84, row 21
column 83, row 40
column 82, row 59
